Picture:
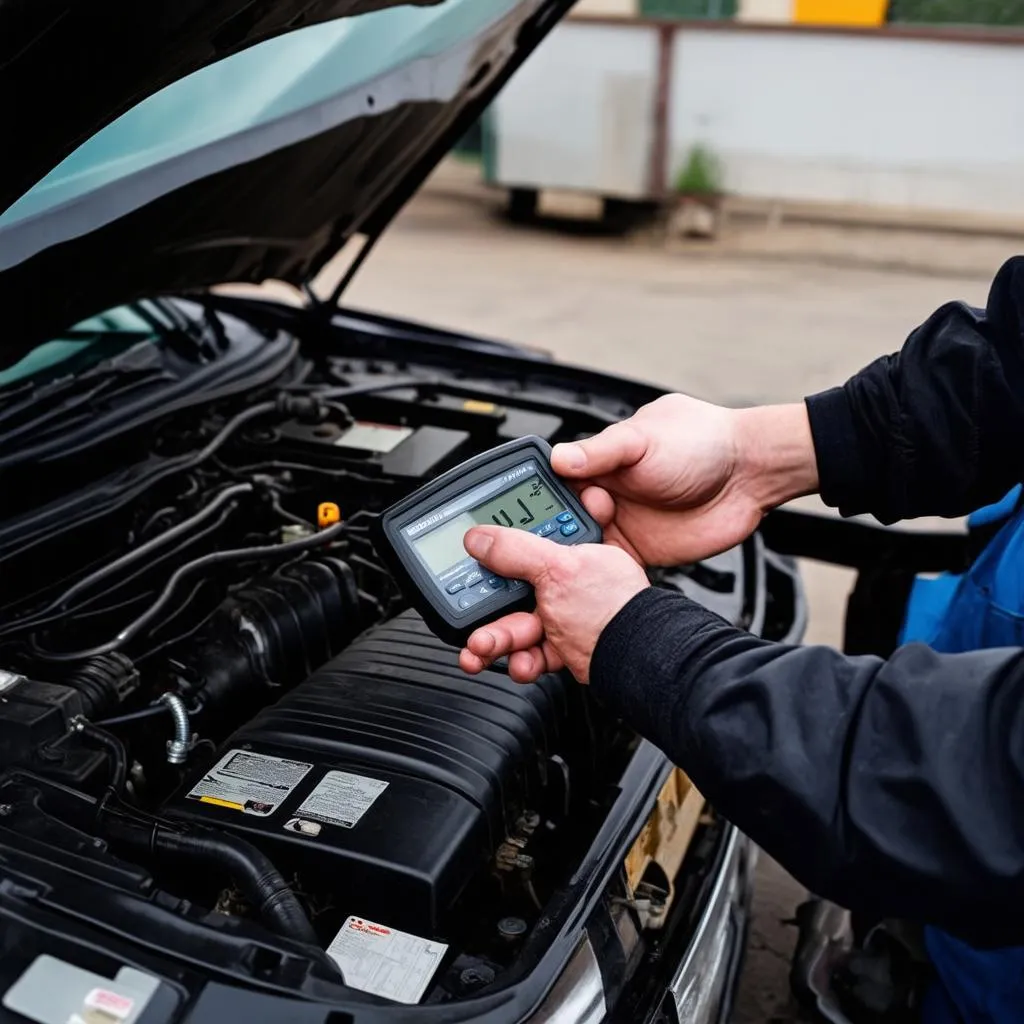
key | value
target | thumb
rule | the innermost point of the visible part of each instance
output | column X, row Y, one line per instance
column 616, row 447
column 514, row 554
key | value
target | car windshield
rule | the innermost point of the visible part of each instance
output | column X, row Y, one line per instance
column 253, row 102
column 82, row 345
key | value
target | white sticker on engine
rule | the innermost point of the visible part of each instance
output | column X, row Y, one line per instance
column 384, row 961
column 9, row 679
column 380, row 438
column 249, row 782
column 341, row 798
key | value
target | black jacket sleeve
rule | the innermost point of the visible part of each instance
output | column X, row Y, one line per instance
column 891, row 787
column 937, row 429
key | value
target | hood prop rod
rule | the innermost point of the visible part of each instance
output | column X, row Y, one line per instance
column 328, row 306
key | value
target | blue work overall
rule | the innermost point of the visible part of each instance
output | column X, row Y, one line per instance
column 982, row 608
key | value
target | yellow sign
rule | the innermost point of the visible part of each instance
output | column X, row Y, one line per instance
column 869, row 13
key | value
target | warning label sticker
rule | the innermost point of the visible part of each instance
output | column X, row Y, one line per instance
column 249, row 782
column 9, row 679
column 385, row 962
column 341, row 798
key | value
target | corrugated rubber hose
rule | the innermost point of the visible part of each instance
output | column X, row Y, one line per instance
column 261, row 882
column 271, row 896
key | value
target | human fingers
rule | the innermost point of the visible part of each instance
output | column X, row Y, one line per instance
column 529, row 665
column 599, row 503
column 514, row 554
column 514, row 632
column 615, row 447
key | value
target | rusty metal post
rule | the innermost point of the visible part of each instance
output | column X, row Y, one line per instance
column 658, row 183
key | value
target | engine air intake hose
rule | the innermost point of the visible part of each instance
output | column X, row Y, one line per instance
column 261, row 882
column 104, row 682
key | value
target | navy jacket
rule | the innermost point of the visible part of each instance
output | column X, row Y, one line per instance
column 893, row 787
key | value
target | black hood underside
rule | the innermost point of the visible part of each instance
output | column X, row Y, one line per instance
column 275, row 202
column 68, row 67
column 229, row 227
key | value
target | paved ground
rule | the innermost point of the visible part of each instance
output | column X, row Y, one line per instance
column 732, row 328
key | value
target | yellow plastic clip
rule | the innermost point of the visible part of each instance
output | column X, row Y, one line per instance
column 327, row 514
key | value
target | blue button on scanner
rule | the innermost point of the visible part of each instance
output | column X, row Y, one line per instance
column 564, row 517
column 569, row 529
column 546, row 530
column 496, row 582
column 454, row 588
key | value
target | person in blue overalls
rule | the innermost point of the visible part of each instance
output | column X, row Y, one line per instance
column 894, row 787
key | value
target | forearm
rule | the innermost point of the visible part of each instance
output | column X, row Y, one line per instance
column 776, row 459
column 890, row 787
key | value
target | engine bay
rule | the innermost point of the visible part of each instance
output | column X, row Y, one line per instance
column 216, row 699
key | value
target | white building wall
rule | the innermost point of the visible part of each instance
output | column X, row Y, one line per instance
column 853, row 118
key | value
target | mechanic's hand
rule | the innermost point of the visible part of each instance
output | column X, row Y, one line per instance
column 579, row 591
column 682, row 480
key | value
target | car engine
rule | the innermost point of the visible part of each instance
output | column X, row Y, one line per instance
column 213, row 696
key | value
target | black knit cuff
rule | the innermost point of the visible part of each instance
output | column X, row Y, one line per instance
column 842, row 476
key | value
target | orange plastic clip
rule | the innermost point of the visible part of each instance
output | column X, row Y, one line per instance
column 327, row 514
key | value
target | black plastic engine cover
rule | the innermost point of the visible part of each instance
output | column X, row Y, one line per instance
column 389, row 776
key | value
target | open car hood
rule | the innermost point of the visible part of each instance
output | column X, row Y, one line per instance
column 199, row 142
